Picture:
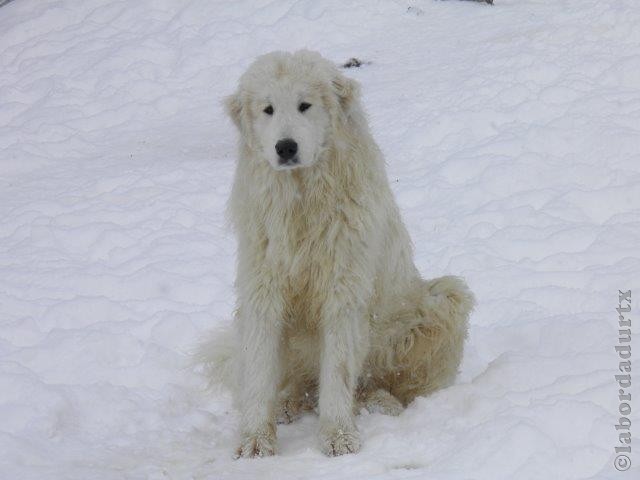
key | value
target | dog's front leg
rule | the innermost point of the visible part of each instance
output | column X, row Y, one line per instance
column 344, row 346
column 260, row 323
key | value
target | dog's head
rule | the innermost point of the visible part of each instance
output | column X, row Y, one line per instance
column 287, row 104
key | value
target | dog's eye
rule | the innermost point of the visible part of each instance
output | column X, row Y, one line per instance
column 268, row 110
column 304, row 106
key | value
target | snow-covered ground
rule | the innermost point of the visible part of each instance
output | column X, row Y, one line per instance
column 512, row 135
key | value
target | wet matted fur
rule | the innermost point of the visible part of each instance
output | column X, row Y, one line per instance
column 331, row 311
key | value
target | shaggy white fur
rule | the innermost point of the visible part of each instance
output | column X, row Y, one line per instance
column 331, row 309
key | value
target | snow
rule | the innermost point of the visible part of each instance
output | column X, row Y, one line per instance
column 512, row 135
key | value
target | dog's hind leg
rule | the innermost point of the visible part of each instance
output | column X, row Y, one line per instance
column 379, row 401
column 431, row 329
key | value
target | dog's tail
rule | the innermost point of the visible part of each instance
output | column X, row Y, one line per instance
column 215, row 356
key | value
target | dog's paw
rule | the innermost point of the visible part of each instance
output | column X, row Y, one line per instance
column 383, row 402
column 336, row 441
column 261, row 444
column 289, row 411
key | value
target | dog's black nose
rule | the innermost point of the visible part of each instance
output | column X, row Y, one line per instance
column 286, row 149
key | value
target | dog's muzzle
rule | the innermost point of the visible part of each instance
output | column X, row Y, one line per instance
column 287, row 149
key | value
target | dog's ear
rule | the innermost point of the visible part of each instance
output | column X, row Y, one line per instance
column 347, row 90
column 233, row 106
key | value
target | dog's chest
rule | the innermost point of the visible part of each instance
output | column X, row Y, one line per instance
column 302, row 251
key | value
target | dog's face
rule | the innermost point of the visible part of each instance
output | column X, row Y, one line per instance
column 290, row 123
column 287, row 105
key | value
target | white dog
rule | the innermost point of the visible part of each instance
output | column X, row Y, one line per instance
column 331, row 309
